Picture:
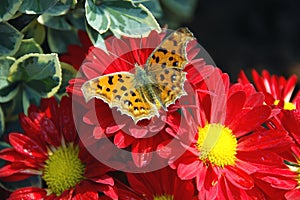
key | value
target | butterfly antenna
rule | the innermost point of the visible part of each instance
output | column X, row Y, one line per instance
column 140, row 48
column 119, row 57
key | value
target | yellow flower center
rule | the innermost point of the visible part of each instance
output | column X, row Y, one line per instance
column 216, row 145
column 163, row 197
column 295, row 167
column 63, row 169
column 287, row 105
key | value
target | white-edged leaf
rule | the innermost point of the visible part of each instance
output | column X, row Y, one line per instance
column 96, row 17
column 10, row 39
column 8, row 9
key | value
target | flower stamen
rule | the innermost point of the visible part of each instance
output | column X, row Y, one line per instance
column 163, row 197
column 216, row 145
column 287, row 105
column 63, row 169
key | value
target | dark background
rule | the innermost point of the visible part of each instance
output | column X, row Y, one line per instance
column 250, row 34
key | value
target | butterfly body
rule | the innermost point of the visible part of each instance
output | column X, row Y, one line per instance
column 159, row 84
column 147, row 86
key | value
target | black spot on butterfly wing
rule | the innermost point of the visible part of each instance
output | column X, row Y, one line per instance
column 123, row 88
column 99, row 86
column 110, row 80
column 164, row 51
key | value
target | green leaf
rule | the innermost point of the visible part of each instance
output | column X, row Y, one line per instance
column 130, row 20
column 2, row 122
column 10, row 39
column 77, row 18
column 95, row 37
column 26, row 99
column 5, row 63
column 154, row 7
column 28, row 46
column 59, row 40
column 11, row 110
column 55, row 22
column 4, row 145
column 68, row 72
column 186, row 7
column 36, row 31
column 60, row 8
column 36, row 6
column 7, row 90
column 8, row 93
column 8, row 9
column 37, row 76
column 96, row 17
column 122, row 17
column 40, row 72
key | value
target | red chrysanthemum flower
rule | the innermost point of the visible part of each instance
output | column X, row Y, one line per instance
column 122, row 55
column 289, row 120
column 163, row 184
column 50, row 148
column 227, row 143
column 277, row 89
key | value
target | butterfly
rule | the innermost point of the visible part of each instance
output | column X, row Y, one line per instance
column 159, row 84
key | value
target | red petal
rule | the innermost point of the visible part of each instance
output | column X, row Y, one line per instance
column 243, row 78
column 218, row 84
column 189, row 169
column 127, row 194
column 200, row 179
column 49, row 132
column 261, row 159
column 278, row 178
column 104, row 179
column 293, row 194
column 13, row 168
column 29, row 127
column 11, row 155
column 113, row 128
column 50, row 108
column 138, row 132
column 165, row 150
column 122, row 140
column 90, row 71
column 250, row 121
column 91, row 195
column 289, row 87
column 28, row 193
column 265, row 140
column 90, row 117
column 111, row 192
column 255, row 99
column 27, row 146
column 142, row 150
column 185, row 190
column 66, row 120
column 141, row 183
column 227, row 190
column 98, row 132
column 238, row 178
column 296, row 150
column 235, row 104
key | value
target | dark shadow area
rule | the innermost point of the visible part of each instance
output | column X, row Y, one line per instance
column 250, row 34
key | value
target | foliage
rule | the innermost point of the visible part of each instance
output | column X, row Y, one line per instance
column 33, row 33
